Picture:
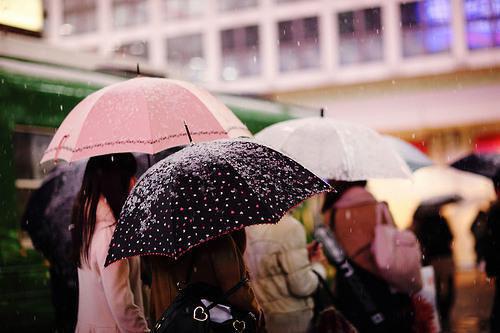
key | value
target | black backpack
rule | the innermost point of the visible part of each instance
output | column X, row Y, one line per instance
column 188, row 313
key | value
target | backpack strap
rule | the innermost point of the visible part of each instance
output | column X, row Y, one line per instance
column 228, row 293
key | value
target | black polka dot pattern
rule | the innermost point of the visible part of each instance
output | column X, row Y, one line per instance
column 207, row 190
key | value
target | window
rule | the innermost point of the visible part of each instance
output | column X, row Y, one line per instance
column 138, row 49
column 185, row 55
column 29, row 145
column 426, row 27
column 225, row 5
column 128, row 13
column 298, row 44
column 179, row 9
column 360, row 36
column 79, row 16
column 240, row 52
column 483, row 23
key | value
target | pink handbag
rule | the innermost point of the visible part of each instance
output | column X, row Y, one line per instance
column 396, row 253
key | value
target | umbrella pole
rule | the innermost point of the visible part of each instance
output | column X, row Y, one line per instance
column 188, row 133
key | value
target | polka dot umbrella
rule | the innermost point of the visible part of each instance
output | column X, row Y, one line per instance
column 207, row 190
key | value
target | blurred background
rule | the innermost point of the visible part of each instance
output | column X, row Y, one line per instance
column 425, row 71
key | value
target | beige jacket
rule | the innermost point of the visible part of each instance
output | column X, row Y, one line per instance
column 282, row 275
column 110, row 299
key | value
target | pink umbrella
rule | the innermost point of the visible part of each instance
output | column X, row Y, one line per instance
column 141, row 115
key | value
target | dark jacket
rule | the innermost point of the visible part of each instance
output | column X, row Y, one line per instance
column 397, row 308
column 492, row 241
column 218, row 263
column 433, row 234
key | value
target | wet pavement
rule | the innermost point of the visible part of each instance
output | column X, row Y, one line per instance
column 473, row 303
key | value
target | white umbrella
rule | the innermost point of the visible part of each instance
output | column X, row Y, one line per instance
column 410, row 154
column 336, row 150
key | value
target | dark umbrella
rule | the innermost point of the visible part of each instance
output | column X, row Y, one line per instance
column 48, row 213
column 432, row 206
column 205, row 191
column 483, row 164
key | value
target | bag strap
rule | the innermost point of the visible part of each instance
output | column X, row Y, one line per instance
column 325, row 286
column 383, row 216
column 182, row 284
column 333, row 212
column 228, row 293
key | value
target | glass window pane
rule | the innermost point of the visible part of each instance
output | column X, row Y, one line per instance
column 79, row 17
column 185, row 55
column 479, row 34
column 425, row 27
column 346, row 22
column 482, row 23
column 28, row 150
column 179, row 9
column 128, row 13
column 240, row 53
column 360, row 36
column 299, row 46
column 138, row 49
column 225, row 5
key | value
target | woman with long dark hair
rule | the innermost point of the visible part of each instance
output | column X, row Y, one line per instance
column 110, row 298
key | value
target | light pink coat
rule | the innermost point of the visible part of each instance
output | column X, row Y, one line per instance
column 110, row 299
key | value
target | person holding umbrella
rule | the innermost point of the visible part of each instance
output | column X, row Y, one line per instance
column 110, row 298
column 191, row 208
column 352, row 214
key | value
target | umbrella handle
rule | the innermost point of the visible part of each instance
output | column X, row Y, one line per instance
column 59, row 146
column 188, row 133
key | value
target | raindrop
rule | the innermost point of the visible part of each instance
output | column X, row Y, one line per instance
column 61, row 107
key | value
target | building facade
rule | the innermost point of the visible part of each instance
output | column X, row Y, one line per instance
column 395, row 65
column 269, row 46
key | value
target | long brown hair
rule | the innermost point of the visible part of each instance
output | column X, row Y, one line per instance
column 109, row 176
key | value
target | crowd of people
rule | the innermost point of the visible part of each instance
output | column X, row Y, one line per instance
column 285, row 273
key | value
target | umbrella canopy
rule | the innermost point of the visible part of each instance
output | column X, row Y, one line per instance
column 47, row 215
column 441, row 200
column 207, row 190
column 482, row 164
column 410, row 154
column 336, row 150
column 141, row 115
column 432, row 206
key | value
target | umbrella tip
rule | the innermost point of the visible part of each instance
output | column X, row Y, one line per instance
column 188, row 133
column 322, row 112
